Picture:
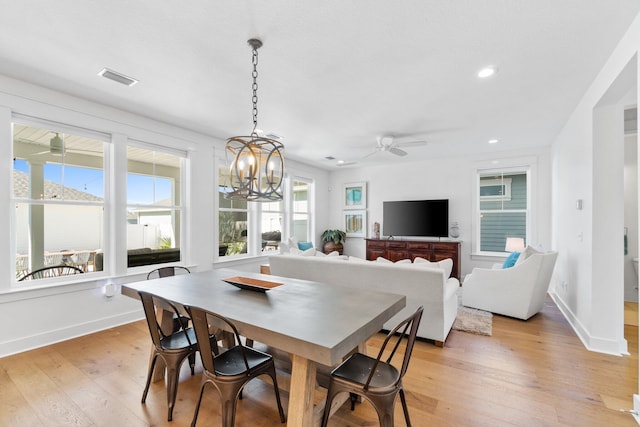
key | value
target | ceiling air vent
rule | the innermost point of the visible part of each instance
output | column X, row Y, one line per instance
column 117, row 77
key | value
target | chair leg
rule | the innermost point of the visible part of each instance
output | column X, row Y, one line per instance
column 272, row 374
column 195, row 413
column 327, row 405
column 384, row 408
column 152, row 365
column 403, row 399
column 192, row 362
column 354, row 399
column 228, row 397
column 172, row 390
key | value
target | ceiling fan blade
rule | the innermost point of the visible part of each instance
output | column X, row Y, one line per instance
column 346, row 163
column 397, row 151
column 411, row 144
column 377, row 150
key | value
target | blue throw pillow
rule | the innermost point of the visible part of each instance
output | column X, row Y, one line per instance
column 303, row 246
column 511, row 260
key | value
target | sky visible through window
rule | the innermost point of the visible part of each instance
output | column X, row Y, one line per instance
column 92, row 181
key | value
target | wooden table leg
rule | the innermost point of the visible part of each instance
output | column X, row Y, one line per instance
column 303, row 384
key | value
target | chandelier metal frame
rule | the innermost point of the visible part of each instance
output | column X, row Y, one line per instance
column 256, row 163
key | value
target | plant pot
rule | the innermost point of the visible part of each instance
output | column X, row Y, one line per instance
column 329, row 247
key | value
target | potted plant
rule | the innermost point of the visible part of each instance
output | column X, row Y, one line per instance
column 332, row 240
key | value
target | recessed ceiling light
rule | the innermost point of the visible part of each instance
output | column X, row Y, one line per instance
column 487, row 72
column 117, row 77
column 340, row 162
column 493, row 141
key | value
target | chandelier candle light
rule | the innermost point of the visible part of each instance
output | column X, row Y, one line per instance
column 256, row 163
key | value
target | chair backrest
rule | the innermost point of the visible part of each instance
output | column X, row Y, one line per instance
column 152, row 304
column 395, row 337
column 204, row 322
column 167, row 271
column 52, row 271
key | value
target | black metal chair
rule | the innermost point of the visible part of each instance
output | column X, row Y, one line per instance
column 51, row 271
column 376, row 380
column 167, row 272
column 180, row 319
column 171, row 346
column 232, row 369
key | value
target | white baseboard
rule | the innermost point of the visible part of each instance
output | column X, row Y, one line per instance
column 8, row 348
column 600, row 345
column 636, row 408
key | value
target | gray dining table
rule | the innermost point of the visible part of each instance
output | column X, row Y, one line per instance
column 316, row 323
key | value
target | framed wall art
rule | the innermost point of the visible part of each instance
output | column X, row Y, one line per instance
column 354, row 195
column 355, row 223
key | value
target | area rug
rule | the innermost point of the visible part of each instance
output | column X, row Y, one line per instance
column 471, row 320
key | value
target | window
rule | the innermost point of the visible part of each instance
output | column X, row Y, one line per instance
column 495, row 189
column 154, row 205
column 271, row 225
column 58, row 196
column 301, row 210
column 233, row 220
column 503, row 208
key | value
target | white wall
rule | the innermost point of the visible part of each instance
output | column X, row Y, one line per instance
column 56, row 313
column 588, row 162
column 446, row 178
column 631, row 216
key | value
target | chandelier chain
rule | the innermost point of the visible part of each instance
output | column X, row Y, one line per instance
column 254, row 87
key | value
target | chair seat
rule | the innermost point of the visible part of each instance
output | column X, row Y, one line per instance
column 357, row 367
column 231, row 362
column 178, row 340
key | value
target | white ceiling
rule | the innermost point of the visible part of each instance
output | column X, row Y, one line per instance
column 333, row 75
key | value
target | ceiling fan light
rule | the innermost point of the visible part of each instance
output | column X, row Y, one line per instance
column 56, row 144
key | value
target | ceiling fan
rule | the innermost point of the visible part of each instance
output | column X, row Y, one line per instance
column 56, row 146
column 390, row 145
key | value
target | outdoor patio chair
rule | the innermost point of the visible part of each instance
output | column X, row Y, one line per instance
column 373, row 379
column 51, row 271
column 232, row 369
column 81, row 260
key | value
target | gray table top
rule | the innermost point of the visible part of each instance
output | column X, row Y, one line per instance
column 318, row 321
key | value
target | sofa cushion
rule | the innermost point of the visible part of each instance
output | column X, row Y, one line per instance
column 356, row 259
column 445, row 265
column 510, row 261
column 528, row 251
column 303, row 246
column 383, row 260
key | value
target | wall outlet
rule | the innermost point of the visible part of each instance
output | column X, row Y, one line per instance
column 110, row 290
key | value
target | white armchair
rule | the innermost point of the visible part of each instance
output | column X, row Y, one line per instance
column 518, row 291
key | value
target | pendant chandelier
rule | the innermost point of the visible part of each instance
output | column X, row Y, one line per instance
column 256, row 164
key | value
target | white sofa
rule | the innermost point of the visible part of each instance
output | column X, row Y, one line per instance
column 518, row 291
column 422, row 285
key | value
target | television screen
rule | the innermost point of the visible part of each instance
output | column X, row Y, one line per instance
column 424, row 218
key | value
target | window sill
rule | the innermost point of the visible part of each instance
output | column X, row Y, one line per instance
column 489, row 257
column 65, row 285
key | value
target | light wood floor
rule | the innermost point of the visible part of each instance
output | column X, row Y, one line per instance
column 534, row 373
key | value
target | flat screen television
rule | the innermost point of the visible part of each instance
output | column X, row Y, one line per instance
column 419, row 218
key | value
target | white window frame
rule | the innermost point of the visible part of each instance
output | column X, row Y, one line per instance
column 504, row 184
column 181, row 208
column 525, row 164
column 106, row 170
column 310, row 206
